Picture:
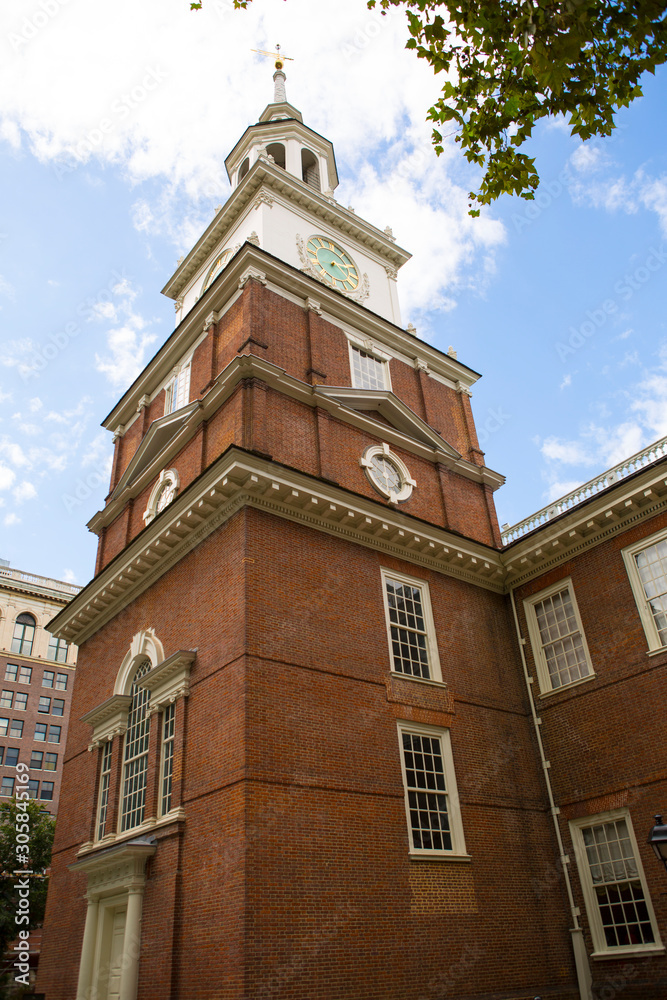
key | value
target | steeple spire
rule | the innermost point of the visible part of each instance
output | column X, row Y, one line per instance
column 279, row 93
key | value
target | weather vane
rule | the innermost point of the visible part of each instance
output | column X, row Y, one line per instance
column 277, row 55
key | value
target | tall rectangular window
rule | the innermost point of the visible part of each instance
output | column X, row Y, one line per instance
column 368, row 371
column 24, row 634
column 135, row 763
column 57, row 650
column 33, row 788
column 11, row 672
column 50, row 761
column 4, row 726
column 7, row 699
column 20, row 701
column 25, row 675
column 168, row 720
column 47, row 679
column 40, row 732
column 411, row 631
column 54, row 734
column 178, row 394
column 58, row 707
column 103, row 801
column 16, row 729
column 61, row 682
column 431, row 798
column 646, row 565
column 617, row 901
column 11, row 757
column 47, row 791
column 36, row 760
column 557, row 637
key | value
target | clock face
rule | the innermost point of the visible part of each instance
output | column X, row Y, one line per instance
column 332, row 263
column 385, row 474
column 218, row 265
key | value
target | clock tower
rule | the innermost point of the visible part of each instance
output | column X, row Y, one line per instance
column 298, row 723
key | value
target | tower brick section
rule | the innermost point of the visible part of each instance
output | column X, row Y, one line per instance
column 290, row 875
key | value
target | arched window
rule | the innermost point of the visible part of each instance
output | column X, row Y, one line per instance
column 277, row 151
column 135, row 755
column 24, row 634
column 243, row 169
column 310, row 169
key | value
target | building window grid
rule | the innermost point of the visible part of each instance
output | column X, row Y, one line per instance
column 54, row 734
column 426, row 792
column 25, row 675
column 57, row 650
column 11, row 672
column 47, row 791
column 40, row 732
column 61, row 682
column 368, row 372
column 135, row 764
column 7, row 787
column 617, row 886
column 561, row 639
column 179, row 391
column 20, row 701
column 58, row 706
column 6, row 699
column 409, row 636
column 33, row 788
column 652, row 569
column 4, row 726
column 16, row 729
column 168, row 728
column 48, row 678
column 50, row 761
column 11, row 756
column 36, row 760
column 105, row 780
column 44, row 706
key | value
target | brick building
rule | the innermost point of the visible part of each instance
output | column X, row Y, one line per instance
column 305, row 757
column 38, row 673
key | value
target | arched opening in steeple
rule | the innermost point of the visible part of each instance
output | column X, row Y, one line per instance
column 243, row 169
column 310, row 169
column 277, row 151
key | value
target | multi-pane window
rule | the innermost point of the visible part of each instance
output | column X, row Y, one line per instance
column 25, row 675
column 168, row 719
column 54, row 734
column 50, row 761
column 6, row 699
column 36, row 760
column 178, row 394
column 11, row 672
column 431, row 800
column 11, row 757
column 647, row 570
column 33, row 788
column 47, row 791
column 16, row 729
column 44, row 705
column 24, row 634
column 410, row 626
column 368, row 372
column 2, row 754
column 58, row 707
column 48, row 678
column 4, row 726
column 40, row 732
column 57, row 650
column 7, row 787
column 618, row 904
column 103, row 800
column 557, row 638
column 135, row 762
column 61, row 682
column 20, row 701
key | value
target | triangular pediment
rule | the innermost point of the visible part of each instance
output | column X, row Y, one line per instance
column 160, row 433
column 395, row 412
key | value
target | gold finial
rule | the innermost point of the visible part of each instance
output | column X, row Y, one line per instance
column 277, row 55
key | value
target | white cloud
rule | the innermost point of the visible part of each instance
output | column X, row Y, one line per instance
column 69, row 576
column 52, row 283
column 10, row 520
column 587, row 157
column 35, row 404
column 24, row 491
column 6, row 289
column 620, row 194
column 566, row 381
column 7, row 476
column 127, row 343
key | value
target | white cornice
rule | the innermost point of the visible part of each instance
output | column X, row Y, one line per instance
column 266, row 175
column 616, row 509
column 408, row 432
column 298, row 287
column 240, row 479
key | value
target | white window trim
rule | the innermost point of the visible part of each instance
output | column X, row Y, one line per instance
column 369, row 347
column 638, row 592
column 540, row 659
column 431, row 640
column 170, row 384
column 458, row 852
column 600, row 946
column 166, row 476
column 407, row 482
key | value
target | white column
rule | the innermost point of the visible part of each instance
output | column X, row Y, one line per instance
column 293, row 157
column 129, row 976
column 83, row 989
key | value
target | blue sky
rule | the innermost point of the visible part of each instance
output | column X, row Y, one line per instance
column 112, row 140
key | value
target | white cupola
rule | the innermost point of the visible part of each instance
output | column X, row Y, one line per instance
column 281, row 135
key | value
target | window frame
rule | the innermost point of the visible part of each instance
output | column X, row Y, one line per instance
column 369, row 348
column 9, row 676
column 20, row 701
column 60, row 685
column 431, row 634
column 51, row 680
column 458, row 851
column 539, row 657
column 19, row 642
column 18, row 723
column 641, row 600
column 6, row 695
column 600, row 947
column 57, row 646
column 40, row 705
column 44, row 797
column 7, row 779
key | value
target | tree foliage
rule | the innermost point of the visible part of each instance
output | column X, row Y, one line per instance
column 36, row 859
column 511, row 63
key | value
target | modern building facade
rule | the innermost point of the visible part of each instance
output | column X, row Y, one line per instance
column 37, row 671
column 333, row 737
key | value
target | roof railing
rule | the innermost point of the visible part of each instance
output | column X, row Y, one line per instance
column 626, row 468
column 40, row 581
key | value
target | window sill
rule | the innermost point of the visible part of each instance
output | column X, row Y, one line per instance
column 657, row 652
column 566, row 687
column 417, row 680
column 138, row 831
column 647, row 949
column 425, row 856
